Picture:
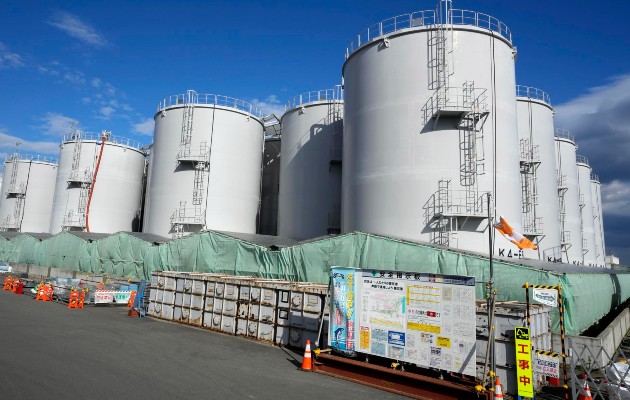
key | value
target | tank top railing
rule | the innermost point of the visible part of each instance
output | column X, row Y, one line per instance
column 211, row 99
column 427, row 18
column 30, row 157
column 564, row 134
column 532, row 93
column 580, row 159
column 80, row 135
column 334, row 94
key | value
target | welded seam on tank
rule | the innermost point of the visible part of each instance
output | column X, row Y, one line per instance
column 205, row 220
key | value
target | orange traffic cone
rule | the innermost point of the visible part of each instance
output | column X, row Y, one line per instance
column 585, row 392
column 498, row 392
column 307, row 361
column 48, row 292
column 42, row 292
column 131, row 299
column 8, row 281
column 14, row 285
column 82, row 298
column 73, row 301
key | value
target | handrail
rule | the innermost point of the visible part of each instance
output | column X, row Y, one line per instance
column 532, row 93
column 595, row 177
column 580, row 159
column 81, row 135
column 334, row 94
column 192, row 97
column 30, row 157
column 564, row 134
column 427, row 18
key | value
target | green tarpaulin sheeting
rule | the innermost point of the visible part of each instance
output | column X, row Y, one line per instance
column 588, row 296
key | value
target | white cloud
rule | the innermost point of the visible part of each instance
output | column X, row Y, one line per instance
column 616, row 198
column 96, row 82
column 78, row 29
column 600, row 120
column 106, row 112
column 7, row 143
column 55, row 124
column 76, row 78
column 145, row 127
column 9, row 59
column 269, row 105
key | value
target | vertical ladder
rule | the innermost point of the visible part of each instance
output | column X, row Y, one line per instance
column 14, row 170
column 187, row 122
column 200, row 169
column 83, row 194
column 76, row 155
column 438, row 47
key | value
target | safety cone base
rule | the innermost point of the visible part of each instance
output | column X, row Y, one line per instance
column 307, row 361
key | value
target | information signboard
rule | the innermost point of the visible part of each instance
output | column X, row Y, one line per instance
column 425, row 319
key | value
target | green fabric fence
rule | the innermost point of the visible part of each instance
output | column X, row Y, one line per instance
column 588, row 296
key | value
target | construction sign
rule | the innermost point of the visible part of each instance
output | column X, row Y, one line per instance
column 524, row 367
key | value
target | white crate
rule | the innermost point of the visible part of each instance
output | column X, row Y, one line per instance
column 167, row 312
column 215, row 322
column 254, row 294
column 244, row 293
column 181, row 314
column 282, row 336
column 209, row 304
column 252, row 329
column 196, row 302
column 152, row 294
column 265, row 332
column 282, row 318
column 243, row 310
column 284, row 298
column 179, row 299
column 168, row 297
column 219, row 289
column 207, row 320
column 198, row 287
column 195, row 318
column 268, row 297
column 241, row 327
column 313, row 303
column 267, row 314
column 228, row 324
column 253, row 312
column 229, row 308
column 231, row 291
column 297, row 298
column 151, row 309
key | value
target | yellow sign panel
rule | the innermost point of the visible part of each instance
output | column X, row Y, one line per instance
column 524, row 366
column 417, row 326
column 444, row 342
column 364, row 338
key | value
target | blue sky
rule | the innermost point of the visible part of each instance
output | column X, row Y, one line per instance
column 107, row 64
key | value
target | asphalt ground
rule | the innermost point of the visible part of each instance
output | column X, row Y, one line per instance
column 50, row 352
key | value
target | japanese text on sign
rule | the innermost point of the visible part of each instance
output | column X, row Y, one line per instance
column 524, row 367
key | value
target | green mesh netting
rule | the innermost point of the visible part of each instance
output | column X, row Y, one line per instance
column 588, row 297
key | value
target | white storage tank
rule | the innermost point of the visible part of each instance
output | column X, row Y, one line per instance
column 568, row 198
column 541, row 221
column 310, row 168
column 206, row 165
column 586, row 209
column 27, row 193
column 430, row 129
column 99, row 184
column 598, row 221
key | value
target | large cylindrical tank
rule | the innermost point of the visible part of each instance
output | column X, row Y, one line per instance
column 568, row 198
column 586, row 209
column 598, row 223
column 99, row 184
column 27, row 193
column 538, row 172
column 206, row 166
column 268, row 218
column 310, row 168
column 430, row 129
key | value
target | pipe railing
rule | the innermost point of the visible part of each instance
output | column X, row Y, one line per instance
column 581, row 159
column 81, row 135
column 564, row 134
column 192, row 97
column 30, row 157
column 532, row 93
column 334, row 94
column 428, row 18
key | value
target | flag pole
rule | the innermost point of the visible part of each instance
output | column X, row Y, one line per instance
column 491, row 294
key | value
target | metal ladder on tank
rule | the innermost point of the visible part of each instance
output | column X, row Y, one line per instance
column 14, row 169
column 187, row 122
column 438, row 46
column 565, row 237
column 529, row 162
column 471, row 148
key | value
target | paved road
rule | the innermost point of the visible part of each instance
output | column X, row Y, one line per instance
column 50, row 352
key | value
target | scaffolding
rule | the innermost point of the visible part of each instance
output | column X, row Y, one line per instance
column 447, row 210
